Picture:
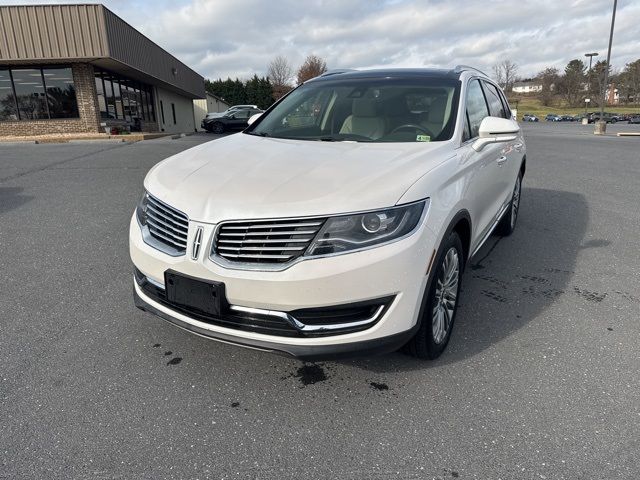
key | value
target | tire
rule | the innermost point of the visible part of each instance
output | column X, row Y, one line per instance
column 613, row 120
column 217, row 128
column 508, row 223
column 439, row 306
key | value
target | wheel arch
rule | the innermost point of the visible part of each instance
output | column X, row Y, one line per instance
column 461, row 224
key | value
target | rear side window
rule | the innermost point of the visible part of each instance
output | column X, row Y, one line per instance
column 476, row 107
column 496, row 107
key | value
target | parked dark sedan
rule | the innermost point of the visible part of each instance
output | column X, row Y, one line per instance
column 234, row 121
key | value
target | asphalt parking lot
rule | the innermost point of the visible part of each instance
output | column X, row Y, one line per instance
column 541, row 378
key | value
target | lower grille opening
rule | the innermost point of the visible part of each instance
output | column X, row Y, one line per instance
column 321, row 321
column 349, row 313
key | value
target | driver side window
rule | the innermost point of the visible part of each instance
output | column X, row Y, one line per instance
column 476, row 108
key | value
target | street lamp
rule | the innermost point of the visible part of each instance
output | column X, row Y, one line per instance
column 601, row 125
column 591, row 55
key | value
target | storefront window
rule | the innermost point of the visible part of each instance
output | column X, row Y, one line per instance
column 61, row 92
column 117, row 93
column 8, row 109
column 125, row 99
column 29, row 88
column 102, row 100
column 37, row 93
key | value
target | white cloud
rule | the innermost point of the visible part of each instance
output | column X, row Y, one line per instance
column 220, row 38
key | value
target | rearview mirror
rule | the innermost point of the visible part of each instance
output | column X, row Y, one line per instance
column 495, row 130
column 253, row 118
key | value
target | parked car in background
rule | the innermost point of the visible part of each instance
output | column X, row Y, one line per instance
column 578, row 118
column 527, row 117
column 567, row 118
column 232, row 121
column 552, row 117
column 634, row 119
column 229, row 110
column 346, row 230
column 607, row 117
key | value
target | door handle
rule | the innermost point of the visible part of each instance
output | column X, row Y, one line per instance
column 518, row 146
column 501, row 160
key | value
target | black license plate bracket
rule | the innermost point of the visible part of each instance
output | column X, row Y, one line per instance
column 205, row 296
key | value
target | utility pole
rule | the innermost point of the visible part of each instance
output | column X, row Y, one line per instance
column 602, row 122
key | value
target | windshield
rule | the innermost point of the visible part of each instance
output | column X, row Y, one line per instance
column 365, row 110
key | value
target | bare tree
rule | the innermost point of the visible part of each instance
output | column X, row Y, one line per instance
column 312, row 67
column 280, row 73
column 505, row 74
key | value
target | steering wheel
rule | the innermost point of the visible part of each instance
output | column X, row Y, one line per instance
column 419, row 128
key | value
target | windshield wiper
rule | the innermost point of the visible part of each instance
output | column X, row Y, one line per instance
column 259, row 134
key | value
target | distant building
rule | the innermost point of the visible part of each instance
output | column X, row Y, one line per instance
column 81, row 68
column 612, row 95
column 210, row 104
column 526, row 87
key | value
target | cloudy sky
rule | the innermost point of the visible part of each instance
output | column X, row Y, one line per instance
column 220, row 38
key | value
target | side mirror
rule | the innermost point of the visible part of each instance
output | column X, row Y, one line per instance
column 495, row 130
column 253, row 118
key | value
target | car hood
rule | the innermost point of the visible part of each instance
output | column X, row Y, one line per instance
column 244, row 176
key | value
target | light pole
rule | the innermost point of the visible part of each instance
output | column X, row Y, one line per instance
column 601, row 125
column 591, row 55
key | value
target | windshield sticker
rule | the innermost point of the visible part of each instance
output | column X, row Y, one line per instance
column 423, row 138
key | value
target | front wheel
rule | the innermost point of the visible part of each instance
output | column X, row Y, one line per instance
column 440, row 302
column 217, row 128
column 508, row 223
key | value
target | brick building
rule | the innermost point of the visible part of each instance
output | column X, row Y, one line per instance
column 81, row 68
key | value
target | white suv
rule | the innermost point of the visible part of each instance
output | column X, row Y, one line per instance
column 340, row 221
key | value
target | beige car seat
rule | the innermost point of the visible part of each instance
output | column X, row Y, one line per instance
column 363, row 120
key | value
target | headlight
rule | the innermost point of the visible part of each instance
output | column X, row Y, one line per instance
column 354, row 232
column 141, row 209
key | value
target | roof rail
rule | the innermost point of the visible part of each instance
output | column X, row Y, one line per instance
column 336, row 71
column 460, row 68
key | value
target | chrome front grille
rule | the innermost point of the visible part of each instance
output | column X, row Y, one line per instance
column 265, row 241
column 167, row 225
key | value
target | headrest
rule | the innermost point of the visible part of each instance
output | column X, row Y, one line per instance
column 363, row 107
column 437, row 109
column 396, row 107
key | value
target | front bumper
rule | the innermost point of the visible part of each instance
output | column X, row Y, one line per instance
column 303, row 352
column 397, row 270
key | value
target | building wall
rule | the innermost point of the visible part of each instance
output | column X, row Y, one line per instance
column 184, row 112
column 203, row 106
column 88, row 122
column 67, row 33
column 40, row 32
column 131, row 48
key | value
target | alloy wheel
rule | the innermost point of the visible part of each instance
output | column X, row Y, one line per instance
column 446, row 295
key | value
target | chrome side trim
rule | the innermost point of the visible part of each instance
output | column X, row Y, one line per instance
column 490, row 230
